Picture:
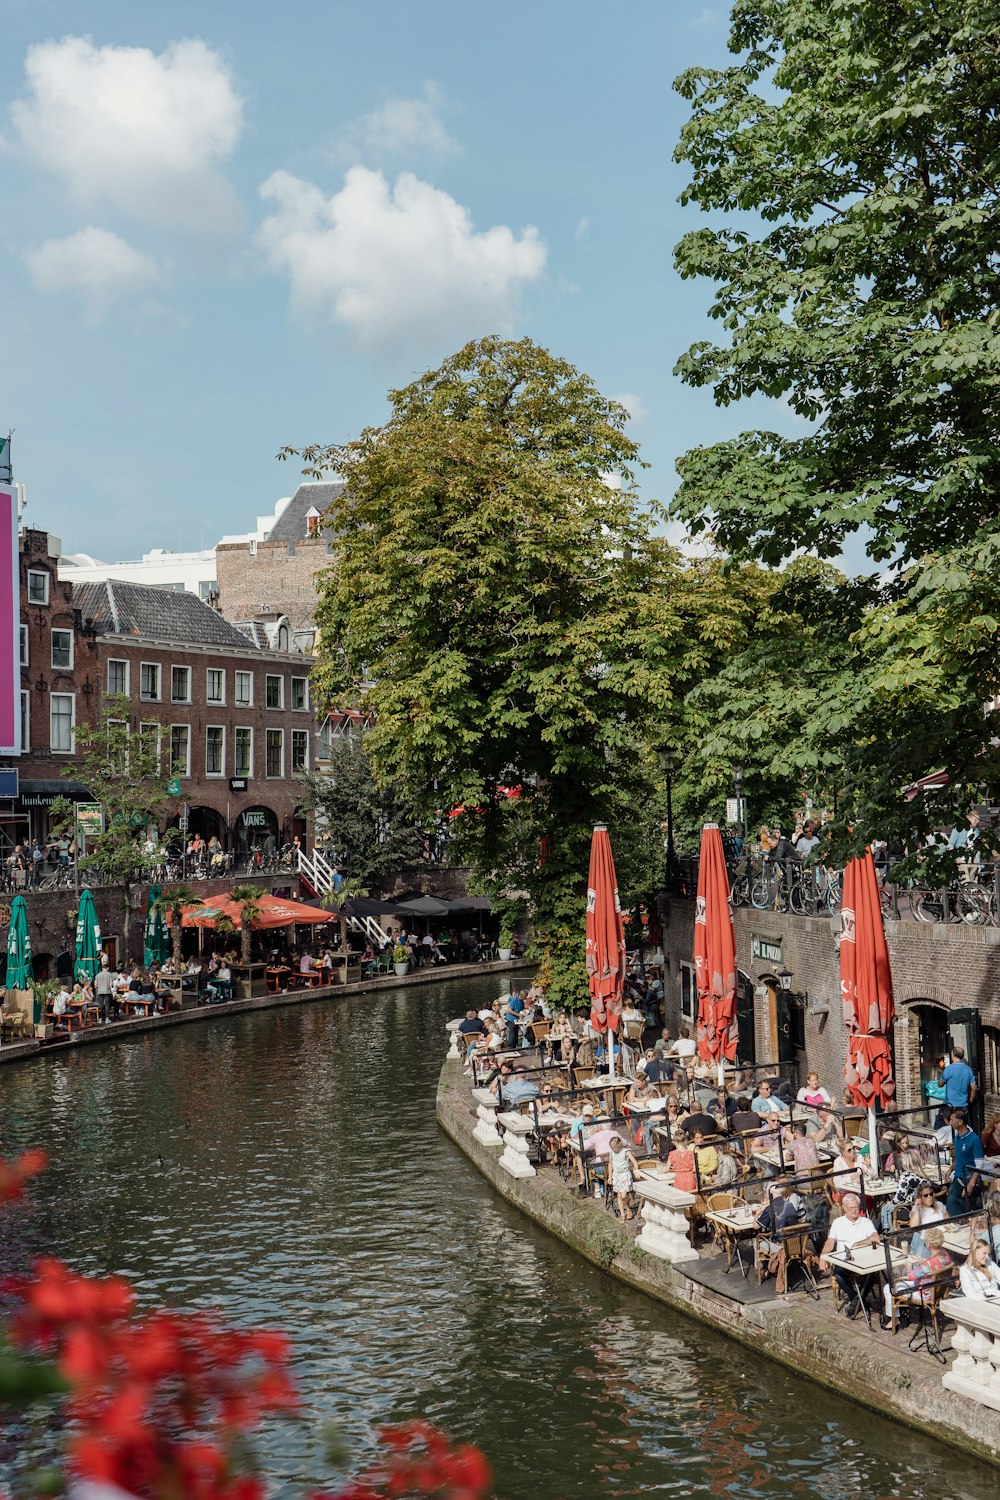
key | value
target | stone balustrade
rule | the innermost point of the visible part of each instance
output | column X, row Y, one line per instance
column 453, row 1035
column 664, row 1230
column 976, row 1341
column 486, row 1132
column 516, row 1129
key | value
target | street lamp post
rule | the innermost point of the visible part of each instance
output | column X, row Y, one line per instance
column 667, row 757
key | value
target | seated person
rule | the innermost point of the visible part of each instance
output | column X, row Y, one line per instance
column 918, row 1270
column 517, row 1088
column 657, row 1069
column 61, row 1002
column 812, row 1093
column 801, row 1149
column 851, row 1230
column 765, row 1102
column 472, row 1025
column 784, row 1207
column 979, row 1277
column 706, row 1156
column 728, row 1170
column 743, row 1117
column 846, row 1161
column 368, row 961
column 220, row 986
column 698, row 1120
column 825, row 1130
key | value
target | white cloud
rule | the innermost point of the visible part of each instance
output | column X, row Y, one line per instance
column 705, row 20
column 395, row 262
column 140, row 132
column 94, row 264
column 583, row 229
column 633, row 404
column 404, row 125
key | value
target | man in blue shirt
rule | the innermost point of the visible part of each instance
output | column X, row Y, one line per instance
column 963, row 1191
column 765, row 1103
column 576, row 1129
column 959, row 1081
column 512, row 1014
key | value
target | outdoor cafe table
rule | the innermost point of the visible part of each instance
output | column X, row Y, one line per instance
column 867, row 1260
column 616, row 1088
column 734, row 1226
column 958, row 1239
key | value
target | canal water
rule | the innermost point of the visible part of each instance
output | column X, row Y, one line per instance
column 286, row 1168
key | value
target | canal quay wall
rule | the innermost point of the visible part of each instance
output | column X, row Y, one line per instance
column 116, row 1030
column 835, row 1353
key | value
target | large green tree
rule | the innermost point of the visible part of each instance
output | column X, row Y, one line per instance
column 501, row 602
column 373, row 829
column 849, row 157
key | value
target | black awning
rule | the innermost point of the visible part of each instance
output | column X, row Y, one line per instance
column 36, row 793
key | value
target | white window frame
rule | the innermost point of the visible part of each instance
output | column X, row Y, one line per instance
column 72, row 723
column 38, row 573
column 293, row 768
column 53, row 632
column 238, row 702
column 157, row 668
column 215, row 702
column 24, row 649
column 186, row 772
column 118, row 661
column 220, row 729
column 25, row 722
column 281, row 773
column 239, row 729
column 277, row 677
column 180, row 668
column 689, row 987
column 303, row 707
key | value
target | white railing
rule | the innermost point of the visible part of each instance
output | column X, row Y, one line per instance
column 319, row 872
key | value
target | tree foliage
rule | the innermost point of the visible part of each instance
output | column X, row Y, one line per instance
column 865, row 141
column 373, row 829
column 506, row 609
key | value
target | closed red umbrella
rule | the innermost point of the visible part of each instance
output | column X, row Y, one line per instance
column 866, row 987
column 605, row 936
column 715, row 953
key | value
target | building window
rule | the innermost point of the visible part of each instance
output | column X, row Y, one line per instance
column 215, row 685
column 689, row 992
column 149, row 740
column 207, row 587
column 25, row 735
column 274, row 691
column 283, row 629
column 62, row 721
column 243, row 752
column 215, row 750
column 117, row 676
column 38, row 588
column 300, row 692
column 300, row 749
column 180, row 750
column 244, row 690
column 24, row 645
column 180, row 684
column 149, row 682
column 62, row 650
column 275, row 765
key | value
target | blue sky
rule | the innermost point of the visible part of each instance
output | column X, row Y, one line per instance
column 232, row 226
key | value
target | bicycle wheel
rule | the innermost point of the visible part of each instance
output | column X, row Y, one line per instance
column 832, row 895
column 926, row 905
column 802, row 898
column 739, row 893
column 760, row 893
column 972, row 905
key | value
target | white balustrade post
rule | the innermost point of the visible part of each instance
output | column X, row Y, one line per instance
column 514, row 1159
column 976, row 1371
column 486, row 1132
column 664, row 1230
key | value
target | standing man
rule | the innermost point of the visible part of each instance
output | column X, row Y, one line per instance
column 512, row 1015
column 104, row 992
column 963, row 1191
column 959, row 1082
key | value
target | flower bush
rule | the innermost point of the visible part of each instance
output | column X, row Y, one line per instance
column 162, row 1404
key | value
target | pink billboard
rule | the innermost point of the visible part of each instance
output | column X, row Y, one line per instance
column 10, row 622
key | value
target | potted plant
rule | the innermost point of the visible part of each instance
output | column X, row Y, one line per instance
column 44, row 992
column 505, row 944
column 400, row 960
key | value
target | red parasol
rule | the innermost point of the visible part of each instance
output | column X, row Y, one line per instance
column 605, row 936
column 715, row 953
column 866, row 987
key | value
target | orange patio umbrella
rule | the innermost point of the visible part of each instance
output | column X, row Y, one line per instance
column 866, row 987
column 274, row 911
column 715, row 953
column 605, row 938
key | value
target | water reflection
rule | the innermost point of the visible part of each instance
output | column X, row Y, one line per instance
column 287, row 1169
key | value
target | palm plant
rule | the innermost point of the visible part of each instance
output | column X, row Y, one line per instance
column 350, row 889
column 247, row 898
column 173, row 901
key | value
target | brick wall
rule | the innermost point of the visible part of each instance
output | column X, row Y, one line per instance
column 949, row 968
column 271, row 576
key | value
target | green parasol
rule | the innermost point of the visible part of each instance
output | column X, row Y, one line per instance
column 88, row 939
column 19, row 974
column 156, row 938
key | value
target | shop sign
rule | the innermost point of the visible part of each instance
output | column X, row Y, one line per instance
column 237, row 783
column 255, row 817
column 768, row 950
column 8, row 782
column 89, row 819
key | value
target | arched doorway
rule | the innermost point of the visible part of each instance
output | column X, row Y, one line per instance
column 204, row 821
column 938, row 1030
column 256, row 827
column 786, row 1022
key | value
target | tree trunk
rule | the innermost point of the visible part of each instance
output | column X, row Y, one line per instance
column 245, row 936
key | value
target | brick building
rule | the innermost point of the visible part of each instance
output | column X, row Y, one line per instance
column 231, row 705
column 946, row 983
column 260, row 580
column 234, row 717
